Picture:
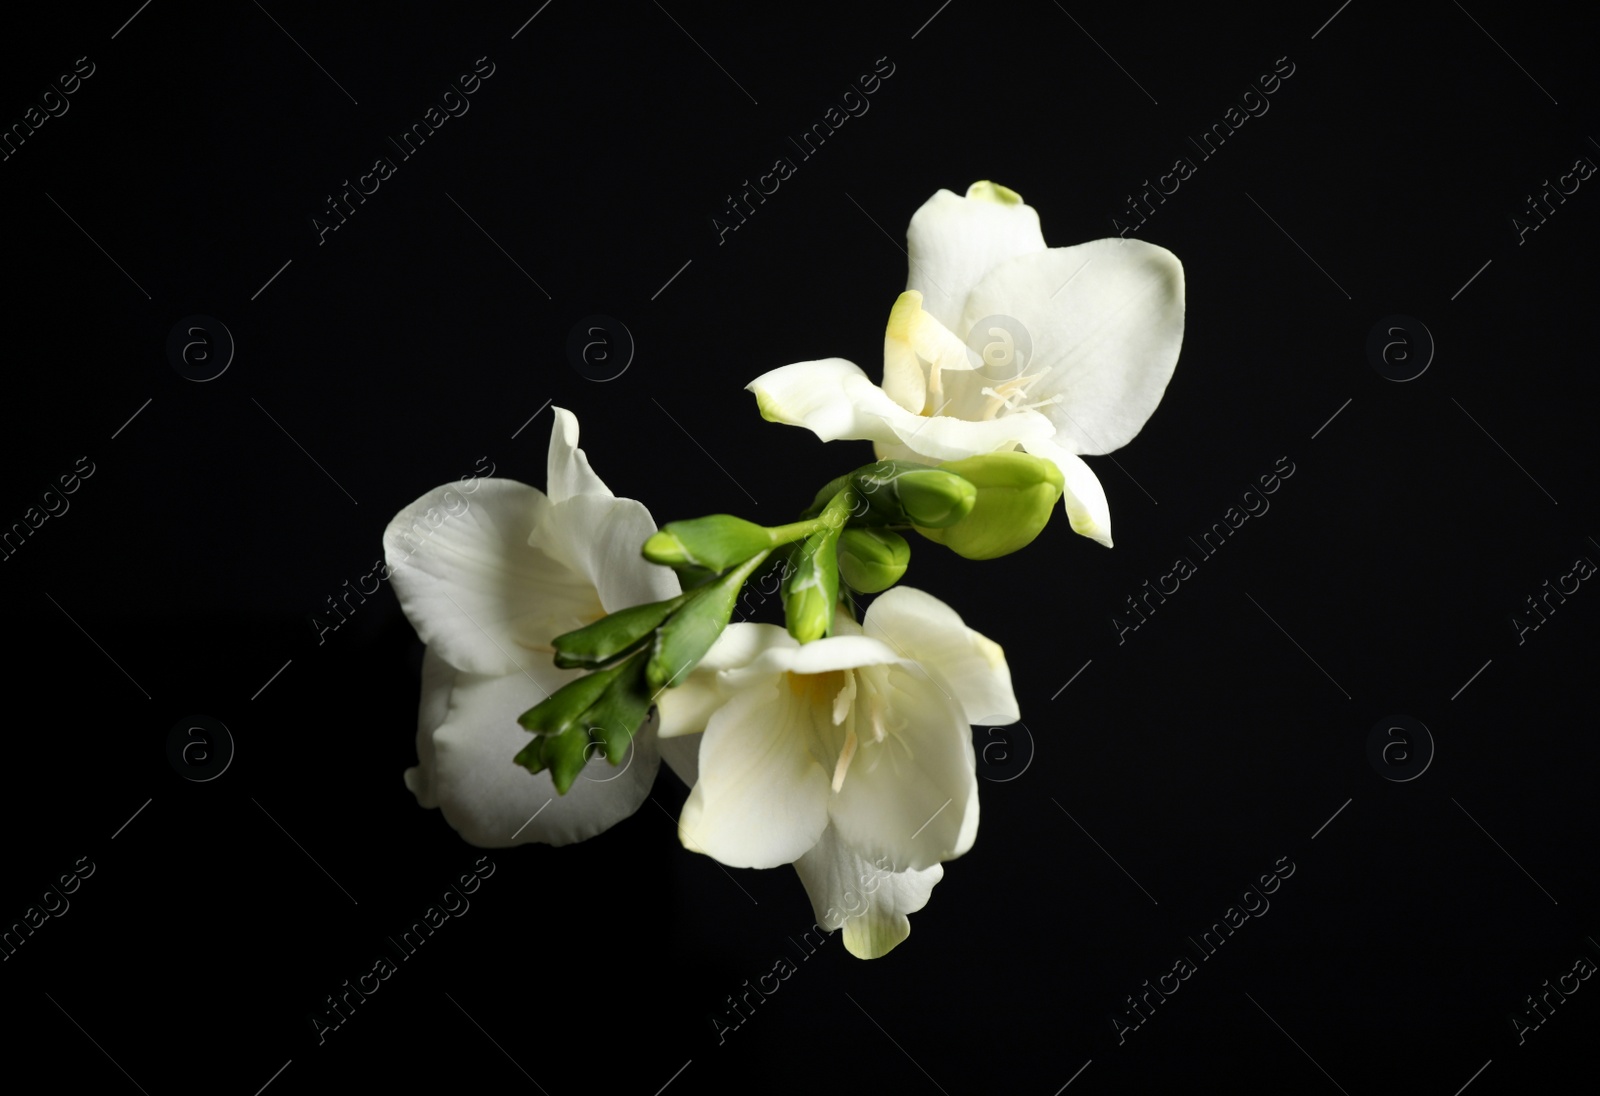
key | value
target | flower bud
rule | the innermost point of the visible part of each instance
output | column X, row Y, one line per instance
column 1015, row 496
column 812, row 588
column 716, row 542
column 919, row 494
column 872, row 560
column 935, row 498
column 688, row 634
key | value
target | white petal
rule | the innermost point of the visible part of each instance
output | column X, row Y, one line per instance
column 489, row 799
column 599, row 537
column 942, row 437
column 868, row 900
column 689, row 705
column 568, row 467
column 438, row 678
column 913, row 796
column 903, row 376
column 1082, row 496
column 969, row 665
column 1106, row 318
column 761, row 799
column 953, row 242
column 476, row 593
column 831, row 397
column 817, row 657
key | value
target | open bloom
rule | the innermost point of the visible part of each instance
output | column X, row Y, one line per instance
column 850, row 757
column 488, row 581
column 999, row 343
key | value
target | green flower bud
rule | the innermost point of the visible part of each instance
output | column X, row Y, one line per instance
column 1015, row 496
column 903, row 492
column 604, row 709
column 614, row 635
column 812, row 589
column 683, row 640
column 935, row 498
column 716, row 542
column 872, row 560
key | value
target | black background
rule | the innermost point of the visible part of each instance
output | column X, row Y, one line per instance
column 408, row 345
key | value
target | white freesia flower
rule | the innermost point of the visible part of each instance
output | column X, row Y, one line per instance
column 1105, row 320
column 488, row 581
column 850, row 757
